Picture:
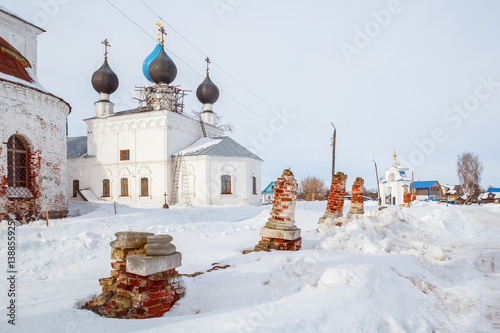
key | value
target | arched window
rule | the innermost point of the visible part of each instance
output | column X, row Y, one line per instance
column 144, row 187
column 225, row 184
column 76, row 187
column 105, row 188
column 18, row 167
column 254, row 185
column 124, row 187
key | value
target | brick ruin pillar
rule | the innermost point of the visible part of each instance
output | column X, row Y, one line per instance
column 413, row 194
column 406, row 196
column 357, row 197
column 335, row 204
column 280, row 232
column 144, row 282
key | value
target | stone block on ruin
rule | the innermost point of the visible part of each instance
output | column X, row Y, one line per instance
column 287, row 234
column 148, row 265
column 159, row 245
column 130, row 240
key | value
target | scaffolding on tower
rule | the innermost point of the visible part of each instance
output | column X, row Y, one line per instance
column 161, row 96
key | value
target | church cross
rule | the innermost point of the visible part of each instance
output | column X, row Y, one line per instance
column 161, row 33
column 208, row 62
column 106, row 45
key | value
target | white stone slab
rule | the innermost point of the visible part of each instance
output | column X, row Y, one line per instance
column 288, row 234
column 147, row 265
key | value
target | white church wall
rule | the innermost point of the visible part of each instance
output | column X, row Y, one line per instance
column 204, row 174
column 40, row 119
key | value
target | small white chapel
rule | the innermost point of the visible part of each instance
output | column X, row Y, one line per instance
column 391, row 186
column 156, row 153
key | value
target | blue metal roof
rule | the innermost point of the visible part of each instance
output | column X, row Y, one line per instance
column 494, row 190
column 269, row 188
column 424, row 184
column 76, row 147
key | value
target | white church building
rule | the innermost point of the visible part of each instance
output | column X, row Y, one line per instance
column 391, row 185
column 32, row 130
column 156, row 153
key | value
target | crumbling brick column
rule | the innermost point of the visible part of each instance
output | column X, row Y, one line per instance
column 413, row 194
column 406, row 196
column 357, row 197
column 144, row 282
column 335, row 204
column 280, row 232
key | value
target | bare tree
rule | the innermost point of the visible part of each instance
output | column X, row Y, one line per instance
column 469, row 169
column 371, row 193
column 312, row 188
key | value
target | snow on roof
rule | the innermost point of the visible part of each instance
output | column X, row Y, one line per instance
column 200, row 144
column 221, row 146
column 76, row 147
column 89, row 196
column 34, row 84
column 495, row 195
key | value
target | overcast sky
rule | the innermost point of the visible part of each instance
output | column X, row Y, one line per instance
column 421, row 77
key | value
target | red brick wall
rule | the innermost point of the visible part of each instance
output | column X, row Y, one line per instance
column 357, row 194
column 285, row 197
column 406, row 195
column 336, row 197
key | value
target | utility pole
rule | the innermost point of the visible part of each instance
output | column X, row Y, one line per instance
column 378, row 187
column 333, row 148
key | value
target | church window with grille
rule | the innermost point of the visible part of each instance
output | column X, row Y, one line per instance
column 18, row 167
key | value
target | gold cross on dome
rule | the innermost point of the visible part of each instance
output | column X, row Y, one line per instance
column 106, row 45
column 161, row 33
column 208, row 62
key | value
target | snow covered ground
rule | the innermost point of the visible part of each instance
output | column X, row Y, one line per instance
column 428, row 268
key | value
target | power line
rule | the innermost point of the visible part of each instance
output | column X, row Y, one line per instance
column 222, row 69
column 194, row 70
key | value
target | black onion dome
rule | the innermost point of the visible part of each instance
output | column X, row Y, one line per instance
column 104, row 80
column 162, row 69
column 207, row 92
